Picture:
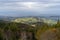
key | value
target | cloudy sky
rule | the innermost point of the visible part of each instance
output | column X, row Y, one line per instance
column 29, row 7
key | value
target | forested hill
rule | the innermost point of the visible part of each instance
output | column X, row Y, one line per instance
column 18, row 31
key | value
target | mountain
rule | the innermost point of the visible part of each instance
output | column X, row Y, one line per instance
column 30, row 19
column 35, row 19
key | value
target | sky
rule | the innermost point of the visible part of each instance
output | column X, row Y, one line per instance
column 29, row 7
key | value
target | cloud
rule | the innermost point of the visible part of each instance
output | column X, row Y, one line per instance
column 19, row 7
column 25, row 5
column 29, row 0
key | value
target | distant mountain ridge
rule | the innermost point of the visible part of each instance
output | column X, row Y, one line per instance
column 24, row 18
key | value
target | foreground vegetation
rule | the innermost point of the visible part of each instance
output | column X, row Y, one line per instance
column 12, row 31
